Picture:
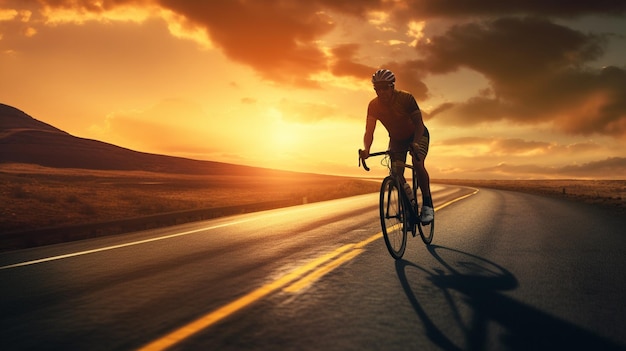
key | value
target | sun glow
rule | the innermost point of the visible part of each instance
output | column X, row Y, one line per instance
column 284, row 135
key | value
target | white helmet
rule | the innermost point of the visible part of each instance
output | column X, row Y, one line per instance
column 383, row 76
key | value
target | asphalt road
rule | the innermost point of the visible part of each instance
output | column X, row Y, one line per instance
column 506, row 271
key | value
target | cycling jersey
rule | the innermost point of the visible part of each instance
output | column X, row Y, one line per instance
column 395, row 116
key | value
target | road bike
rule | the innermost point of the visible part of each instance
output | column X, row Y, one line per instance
column 398, row 214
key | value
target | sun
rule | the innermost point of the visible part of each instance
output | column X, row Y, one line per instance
column 284, row 134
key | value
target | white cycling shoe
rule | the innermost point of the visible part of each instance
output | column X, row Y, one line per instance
column 428, row 214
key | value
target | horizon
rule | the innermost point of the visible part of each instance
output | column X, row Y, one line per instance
column 289, row 91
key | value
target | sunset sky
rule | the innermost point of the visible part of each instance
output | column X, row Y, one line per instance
column 508, row 89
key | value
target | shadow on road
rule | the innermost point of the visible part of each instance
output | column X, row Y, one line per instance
column 481, row 283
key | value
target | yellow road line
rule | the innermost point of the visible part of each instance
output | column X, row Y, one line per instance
column 226, row 310
column 318, row 273
column 368, row 240
column 351, row 251
column 455, row 200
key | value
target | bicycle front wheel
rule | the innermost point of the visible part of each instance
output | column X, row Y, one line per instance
column 392, row 217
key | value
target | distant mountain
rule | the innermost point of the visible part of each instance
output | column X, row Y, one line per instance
column 24, row 139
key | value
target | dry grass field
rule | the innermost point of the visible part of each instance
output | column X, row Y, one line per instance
column 35, row 197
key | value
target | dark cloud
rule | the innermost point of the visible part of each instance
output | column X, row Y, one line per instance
column 554, row 8
column 508, row 49
column 597, row 169
column 537, row 71
column 344, row 62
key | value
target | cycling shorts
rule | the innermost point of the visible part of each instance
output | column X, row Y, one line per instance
column 399, row 148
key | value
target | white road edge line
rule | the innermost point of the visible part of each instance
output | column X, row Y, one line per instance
column 106, row 248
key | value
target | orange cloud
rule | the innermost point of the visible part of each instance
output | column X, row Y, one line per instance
column 278, row 39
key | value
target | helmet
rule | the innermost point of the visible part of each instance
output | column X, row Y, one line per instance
column 383, row 76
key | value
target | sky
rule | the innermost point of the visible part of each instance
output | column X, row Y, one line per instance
column 518, row 89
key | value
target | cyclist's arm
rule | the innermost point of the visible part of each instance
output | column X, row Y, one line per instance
column 368, row 138
column 416, row 117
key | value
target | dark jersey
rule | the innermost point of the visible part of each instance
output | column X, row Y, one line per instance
column 395, row 116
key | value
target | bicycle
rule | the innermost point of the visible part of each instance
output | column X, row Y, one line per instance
column 398, row 215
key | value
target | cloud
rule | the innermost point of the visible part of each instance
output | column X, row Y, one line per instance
column 248, row 100
column 344, row 62
column 496, row 146
column 7, row 14
column 511, row 48
column 277, row 38
column 537, row 73
column 472, row 8
column 597, row 169
column 503, row 146
column 608, row 168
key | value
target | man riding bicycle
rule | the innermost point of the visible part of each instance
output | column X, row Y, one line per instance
column 399, row 113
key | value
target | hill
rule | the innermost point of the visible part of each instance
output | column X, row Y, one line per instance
column 24, row 139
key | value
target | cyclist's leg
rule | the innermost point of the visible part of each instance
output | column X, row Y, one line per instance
column 420, row 169
column 397, row 152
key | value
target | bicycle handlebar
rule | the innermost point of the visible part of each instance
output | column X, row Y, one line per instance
column 362, row 160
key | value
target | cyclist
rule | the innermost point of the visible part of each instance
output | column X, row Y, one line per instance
column 399, row 113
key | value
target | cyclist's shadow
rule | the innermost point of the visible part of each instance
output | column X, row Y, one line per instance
column 481, row 283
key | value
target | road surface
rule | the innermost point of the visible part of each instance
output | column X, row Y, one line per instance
column 506, row 271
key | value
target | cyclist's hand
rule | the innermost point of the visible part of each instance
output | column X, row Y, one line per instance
column 364, row 154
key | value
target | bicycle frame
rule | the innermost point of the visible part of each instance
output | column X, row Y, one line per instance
column 407, row 202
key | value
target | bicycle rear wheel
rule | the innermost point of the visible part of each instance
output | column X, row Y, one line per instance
column 392, row 217
column 427, row 231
